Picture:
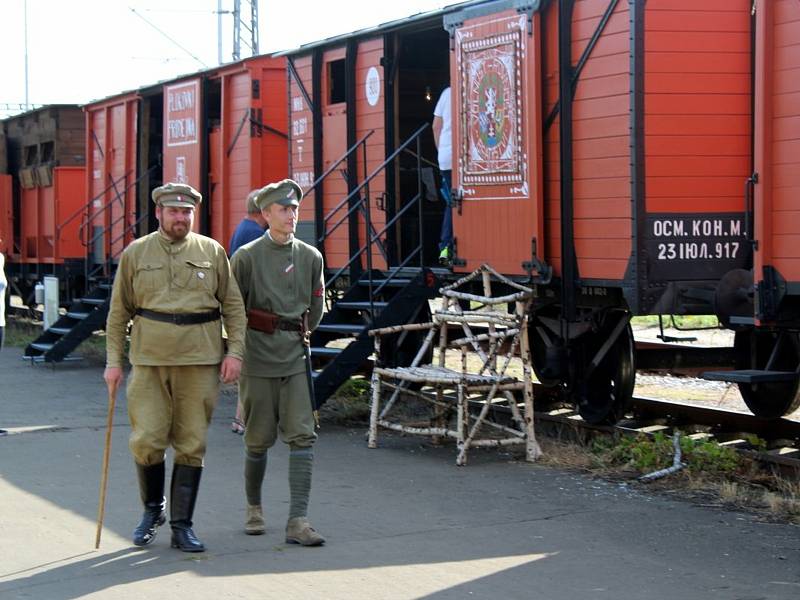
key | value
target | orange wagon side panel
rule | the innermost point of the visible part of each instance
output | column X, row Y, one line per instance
column 334, row 145
column 249, row 147
column 777, row 139
column 370, row 117
column 301, row 136
column 69, row 197
column 601, row 147
column 697, row 138
column 43, row 209
column 109, row 188
column 270, row 150
column 497, row 150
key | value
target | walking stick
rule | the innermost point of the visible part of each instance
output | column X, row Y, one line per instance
column 112, row 400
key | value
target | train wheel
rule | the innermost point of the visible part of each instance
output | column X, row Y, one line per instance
column 753, row 350
column 603, row 397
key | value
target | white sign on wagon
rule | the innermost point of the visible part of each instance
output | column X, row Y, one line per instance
column 372, row 86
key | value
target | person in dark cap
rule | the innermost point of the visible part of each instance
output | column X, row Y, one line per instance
column 281, row 279
column 177, row 286
column 251, row 228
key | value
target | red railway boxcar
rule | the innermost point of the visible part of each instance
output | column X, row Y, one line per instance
column 223, row 131
column 601, row 150
column 768, row 356
column 624, row 158
column 42, row 191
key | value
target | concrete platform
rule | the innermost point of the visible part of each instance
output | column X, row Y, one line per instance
column 402, row 521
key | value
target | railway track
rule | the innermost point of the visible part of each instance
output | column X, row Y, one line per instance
column 650, row 415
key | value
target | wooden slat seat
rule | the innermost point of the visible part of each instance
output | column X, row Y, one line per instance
column 463, row 413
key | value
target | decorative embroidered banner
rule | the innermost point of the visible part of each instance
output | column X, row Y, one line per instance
column 492, row 110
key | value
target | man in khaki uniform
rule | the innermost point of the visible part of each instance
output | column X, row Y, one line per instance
column 281, row 282
column 176, row 285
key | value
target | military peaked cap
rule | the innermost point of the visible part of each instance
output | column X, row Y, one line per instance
column 286, row 193
column 177, row 194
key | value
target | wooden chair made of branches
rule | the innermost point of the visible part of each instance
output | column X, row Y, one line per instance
column 487, row 412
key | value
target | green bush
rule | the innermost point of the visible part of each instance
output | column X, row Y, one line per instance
column 651, row 453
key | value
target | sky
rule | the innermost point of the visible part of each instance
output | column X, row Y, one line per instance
column 84, row 50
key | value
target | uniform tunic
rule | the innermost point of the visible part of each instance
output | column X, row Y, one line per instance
column 174, row 385
column 187, row 276
column 285, row 279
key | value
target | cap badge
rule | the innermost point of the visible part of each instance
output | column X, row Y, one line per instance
column 201, row 275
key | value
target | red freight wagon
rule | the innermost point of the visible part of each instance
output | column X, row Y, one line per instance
column 601, row 151
column 223, row 131
column 768, row 356
column 44, row 156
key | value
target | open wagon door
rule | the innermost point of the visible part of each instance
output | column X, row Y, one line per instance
column 497, row 146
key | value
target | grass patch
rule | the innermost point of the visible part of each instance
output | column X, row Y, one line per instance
column 651, row 453
column 350, row 404
column 680, row 321
column 21, row 332
column 714, row 475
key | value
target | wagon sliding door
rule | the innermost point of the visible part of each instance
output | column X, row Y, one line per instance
column 496, row 140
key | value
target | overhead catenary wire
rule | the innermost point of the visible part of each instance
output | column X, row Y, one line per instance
column 133, row 10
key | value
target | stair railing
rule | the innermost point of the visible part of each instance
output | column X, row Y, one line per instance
column 82, row 210
column 318, row 182
column 83, row 229
column 108, row 264
column 372, row 239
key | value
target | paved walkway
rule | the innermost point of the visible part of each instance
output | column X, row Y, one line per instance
column 401, row 521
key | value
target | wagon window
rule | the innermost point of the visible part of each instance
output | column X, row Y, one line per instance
column 30, row 155
column 336, row 92
column 47, row 151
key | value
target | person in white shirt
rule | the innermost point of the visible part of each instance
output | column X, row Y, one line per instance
column 443, row 138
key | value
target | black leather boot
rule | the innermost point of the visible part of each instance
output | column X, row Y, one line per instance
column 185, row 483
column 151, row 490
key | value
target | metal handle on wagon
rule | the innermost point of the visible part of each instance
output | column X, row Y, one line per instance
column 749, row 192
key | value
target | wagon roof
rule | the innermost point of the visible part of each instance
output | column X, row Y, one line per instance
column 383, row 27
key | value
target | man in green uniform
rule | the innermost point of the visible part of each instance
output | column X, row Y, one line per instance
column 176, row 285
column 281, row 282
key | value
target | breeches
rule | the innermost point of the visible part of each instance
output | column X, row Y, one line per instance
column 171, row 405
column 274, row 406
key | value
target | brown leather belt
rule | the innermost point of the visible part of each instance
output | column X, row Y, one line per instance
column 268, row 322
column 179, row 318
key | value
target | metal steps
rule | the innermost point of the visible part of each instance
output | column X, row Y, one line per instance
column 751, row 376
column 362, row 305
column 78, row 316
column 325, row 351
column 345, row 328
column 84, row 317
column 401, row 300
